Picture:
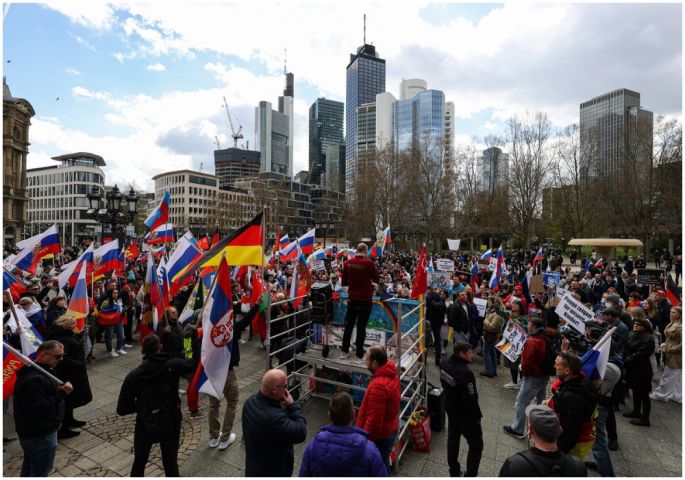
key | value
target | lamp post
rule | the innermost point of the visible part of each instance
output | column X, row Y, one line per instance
column 113, row 214
column 324, row 227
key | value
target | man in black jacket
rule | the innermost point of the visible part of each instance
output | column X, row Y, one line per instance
column 170, row 333
column 39, row 410
column 463, row 411
column 151, row 391
column 458, row 317
column 272, row 423
column 544, row 458
column 436, row 316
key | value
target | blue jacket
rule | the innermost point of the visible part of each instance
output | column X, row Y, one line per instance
column 342, row 452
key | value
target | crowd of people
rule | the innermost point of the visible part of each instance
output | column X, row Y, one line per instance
column 577, row 419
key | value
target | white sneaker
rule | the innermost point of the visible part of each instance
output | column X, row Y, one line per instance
column 343, row 356
column 214, row 442
column 113, row 354
column 126, row 345
column 122, row 352
column 224, row 445
column 242, row 342
column 512, row 386
column 181, row 391
column 359, row 361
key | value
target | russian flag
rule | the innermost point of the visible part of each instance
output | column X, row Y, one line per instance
column 106, row 258
column 499, row 267
column 162, row 234
column 78, row 305
column 159, row 215
column 525, row 285
column 217, row 335
column 28, row 334
column 474, row 277
column 70, row 271
column 486, row 256
column 306, row 242
column 13, row 284
column 538, row 257
column 43, row 245
column 185, row 254
column 157, row 290
column 289, row 252
column 10, row 366
column 284, row 241
column 29, row 242
column 158, row 251
column 386, row 233
column 320, row 254
column 594, row 362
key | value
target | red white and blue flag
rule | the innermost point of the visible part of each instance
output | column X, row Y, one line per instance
column 70, row 271
column 306, row 242
column 474, row 277
column 13, row 284
column 106, row 258
column 594, row 362
column 499, row 269
column 78, row 304
column 284, row 241
column 184, row 255
column 34, row 251
column 162, row 234
column 538, row 257
column 386, row 233
column 217, row 335
column 159, row 215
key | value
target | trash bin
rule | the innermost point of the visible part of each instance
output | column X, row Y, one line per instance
column 436, row 408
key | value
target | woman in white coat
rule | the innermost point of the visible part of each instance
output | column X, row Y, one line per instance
column 670, row 386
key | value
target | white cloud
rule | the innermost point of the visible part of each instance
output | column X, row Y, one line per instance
column 84, row 43
column 94, row 14
column 73, row 71
column 156, row 67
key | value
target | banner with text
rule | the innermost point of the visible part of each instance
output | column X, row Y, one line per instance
column 574, row 312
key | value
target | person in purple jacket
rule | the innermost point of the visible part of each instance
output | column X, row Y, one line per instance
column 341, row 450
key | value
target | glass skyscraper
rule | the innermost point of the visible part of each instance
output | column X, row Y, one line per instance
column 365, row 79
column 421, row 119
column 325, row 129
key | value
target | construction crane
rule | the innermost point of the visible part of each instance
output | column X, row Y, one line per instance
column 218, row 147
column 236, row 135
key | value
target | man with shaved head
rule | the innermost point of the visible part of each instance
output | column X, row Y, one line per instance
column 272, row 423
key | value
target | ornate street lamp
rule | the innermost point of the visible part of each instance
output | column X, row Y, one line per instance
column 113, row 213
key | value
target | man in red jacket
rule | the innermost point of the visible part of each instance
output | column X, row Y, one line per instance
column 380, row 408
column 359, row 274
column 535, row 380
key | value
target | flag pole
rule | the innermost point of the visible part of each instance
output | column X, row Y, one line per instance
column 30, row 363
column 267, row 315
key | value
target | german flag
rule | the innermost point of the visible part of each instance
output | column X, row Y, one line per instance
column 242, row 247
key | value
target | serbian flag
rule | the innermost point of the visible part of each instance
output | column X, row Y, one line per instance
column 132, row 252
column 217, row 338
column 672, row 293
column 538, row 257
column 421, row 277
column 203, row 243
column 499, row 268
column 594, row 362
column 216, row 237
column 70, row 271
column 159, row 215
column 31, row 255
column 474, row 277
column 78, row 305
column 162, row 234
column 386, row 233
column 106, row 258
column 10, row 366
column 242, row 247
column 13, row 284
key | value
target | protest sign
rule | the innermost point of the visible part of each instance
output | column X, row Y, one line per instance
column 649, row 276
column 439, row 280
column 480, row 303
column 318, row 265
column 562, row 292
column 551, row 279
column 512, row 341
column 536, row 285
column 453, row 244
column 444, row 265
column 574, row 312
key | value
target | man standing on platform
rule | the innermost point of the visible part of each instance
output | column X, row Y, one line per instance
column 358, row 275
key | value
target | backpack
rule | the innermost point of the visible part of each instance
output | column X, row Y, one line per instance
column 551, row 352
column 156, row 404
column 568, row 468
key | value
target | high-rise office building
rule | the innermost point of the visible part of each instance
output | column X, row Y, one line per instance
column 607, row 123
column 410, row 87
column 366, row 133
column 325, row 129
column 494, row 168
column 286, row 106
column 231, row 164
column 385, row 108
column 365, row 79
column 334, row 177
column 421, row 119
column 272, row 130
column 449, row 130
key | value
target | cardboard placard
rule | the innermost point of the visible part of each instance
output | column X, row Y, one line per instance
column 649, row 276
column 439, row 280
column 318, row 265
column 512, row 341
column 481, row 304
column 574, row 312
column 551, row 279
column 536, row 285
column 453, row 244
column 444, row 265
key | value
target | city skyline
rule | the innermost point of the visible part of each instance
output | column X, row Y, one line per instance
column 141, row 85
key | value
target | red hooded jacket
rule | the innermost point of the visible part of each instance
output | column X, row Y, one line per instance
column 534, row 351
column 358, row 273
column 380, row 407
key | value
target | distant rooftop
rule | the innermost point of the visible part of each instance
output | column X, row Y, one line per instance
column 96, row 159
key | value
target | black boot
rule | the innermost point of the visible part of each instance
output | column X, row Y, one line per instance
column 641, row 422
column 632, row 414
column 66, row 433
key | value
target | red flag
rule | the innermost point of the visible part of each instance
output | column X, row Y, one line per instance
column 132, row 252
column 257, row 287
column 672, row 293
column 215, row 238
column 421, row 278
column 203, row 243
column 10, row 366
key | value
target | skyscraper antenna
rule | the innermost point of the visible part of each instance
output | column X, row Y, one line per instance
column 285, row 61
column 364, row 29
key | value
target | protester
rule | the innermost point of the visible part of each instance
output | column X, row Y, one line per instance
column 639, row 349
column 272, row 423
column 516, row 316
column 56, row 308
column 544, row 458
column 436, row 316
column 379, row 411
column 39, row 410
column 359, row 273
column 463, row 411
column 458, row 317
column 110, row 316
column 151, row 392
column 71, row 369
column 534, row 379
column 339, row 449
column 670, row 385
column 492, row 332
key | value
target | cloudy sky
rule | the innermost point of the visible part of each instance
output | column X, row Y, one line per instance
column 141, row 84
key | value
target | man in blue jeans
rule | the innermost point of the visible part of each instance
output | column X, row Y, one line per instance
column 534, row 382
column 39, row 410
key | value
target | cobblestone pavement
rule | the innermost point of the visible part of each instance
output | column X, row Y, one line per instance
column 104, row 447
